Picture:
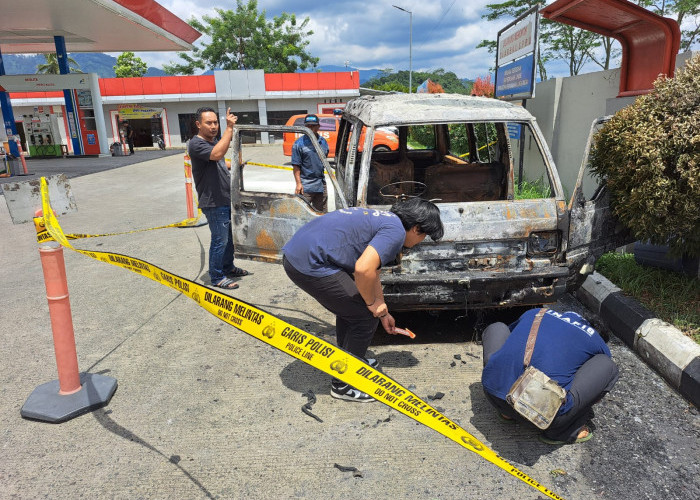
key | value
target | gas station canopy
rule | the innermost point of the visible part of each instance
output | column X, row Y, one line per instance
column 29, row 26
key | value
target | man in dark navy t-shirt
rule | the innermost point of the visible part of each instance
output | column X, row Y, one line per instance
column 568, row 350
column 336, row 259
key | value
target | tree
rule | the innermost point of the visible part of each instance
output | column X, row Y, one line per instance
column 435, row 88
column 572, row 45
column 649, row 156
column 391, row 87
column 483, row 87
column 608, row 52
column 682, row 10
column 447, row 79
column 51, row 65
column 245, row 39
column 129, row 65
column 514, row 9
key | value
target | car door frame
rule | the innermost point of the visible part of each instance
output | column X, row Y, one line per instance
column 346, row 157
column 593, row 229
column 261, row 222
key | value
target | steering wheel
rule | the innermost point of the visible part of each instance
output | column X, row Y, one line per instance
column 399, row 191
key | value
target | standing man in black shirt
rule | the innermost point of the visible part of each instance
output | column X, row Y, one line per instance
column 129, row 135
column 213, row 182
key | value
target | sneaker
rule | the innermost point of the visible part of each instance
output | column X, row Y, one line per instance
column 348, row 393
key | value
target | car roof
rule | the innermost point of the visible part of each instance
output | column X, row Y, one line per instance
column 397, row 109
column 320, row 115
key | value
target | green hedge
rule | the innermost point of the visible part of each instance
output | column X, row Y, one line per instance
column 649, row 155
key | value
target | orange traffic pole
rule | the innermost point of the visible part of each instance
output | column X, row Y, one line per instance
column 54, row 268
column 73, row 393
column 61, row 320
column 188, row 186
column 21, row 157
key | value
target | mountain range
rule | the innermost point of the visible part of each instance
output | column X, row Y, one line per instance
column 103, row 65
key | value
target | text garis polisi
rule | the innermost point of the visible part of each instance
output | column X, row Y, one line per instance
column 311, row 346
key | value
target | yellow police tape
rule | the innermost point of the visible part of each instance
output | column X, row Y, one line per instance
column 43, row 235
column 268, row 165
column 299, row 344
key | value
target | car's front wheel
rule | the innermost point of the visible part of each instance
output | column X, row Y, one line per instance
column 381, row 149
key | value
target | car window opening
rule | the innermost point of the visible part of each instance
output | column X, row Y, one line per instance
column 459, row 162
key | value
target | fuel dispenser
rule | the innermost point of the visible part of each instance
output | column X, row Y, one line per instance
column 42, row 133
column 88, row 123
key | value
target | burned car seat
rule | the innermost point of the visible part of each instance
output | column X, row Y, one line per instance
column 455, row 180
column 388, row 168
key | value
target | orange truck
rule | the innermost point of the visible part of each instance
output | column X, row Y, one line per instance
column 384, row 140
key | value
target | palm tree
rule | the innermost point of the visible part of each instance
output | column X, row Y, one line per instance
column 51, row 66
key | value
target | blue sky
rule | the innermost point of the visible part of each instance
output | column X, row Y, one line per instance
column 373, row 34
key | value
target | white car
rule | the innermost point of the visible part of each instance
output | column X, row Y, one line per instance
column 511, row 238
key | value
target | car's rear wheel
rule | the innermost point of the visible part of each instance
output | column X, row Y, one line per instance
column 381, row 149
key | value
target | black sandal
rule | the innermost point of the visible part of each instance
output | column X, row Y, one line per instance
column 226, row 284
column 237, row 272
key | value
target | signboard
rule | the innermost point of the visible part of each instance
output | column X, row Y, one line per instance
column 516, row 79
column 135, row 112
column 515, row 57
column 71, row 125
column 517, row 40
column 84, row 98
column 514, row 131
column 44, row 83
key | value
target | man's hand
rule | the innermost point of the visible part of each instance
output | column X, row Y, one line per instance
column 231, row 119
column 388, row 323
column 299, row 189
column 378, row 309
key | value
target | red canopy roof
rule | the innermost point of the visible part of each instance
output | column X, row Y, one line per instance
column 649, row 42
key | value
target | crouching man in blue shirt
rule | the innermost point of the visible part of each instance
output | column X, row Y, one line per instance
column 336, row 259
column 568, row 350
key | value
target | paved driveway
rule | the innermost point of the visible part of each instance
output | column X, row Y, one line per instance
column 206, row 411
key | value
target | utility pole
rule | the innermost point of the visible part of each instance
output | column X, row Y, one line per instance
column 410, row 47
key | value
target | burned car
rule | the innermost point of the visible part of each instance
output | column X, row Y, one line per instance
column 511, row 238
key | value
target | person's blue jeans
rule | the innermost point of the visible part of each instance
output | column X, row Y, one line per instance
column 221, row 246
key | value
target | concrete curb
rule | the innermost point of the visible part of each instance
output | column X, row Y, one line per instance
column 662, row 346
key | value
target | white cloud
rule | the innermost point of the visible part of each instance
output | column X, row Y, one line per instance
column 369, row 34
column 373, row 34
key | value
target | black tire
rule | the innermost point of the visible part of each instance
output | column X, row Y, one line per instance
column 381, row 149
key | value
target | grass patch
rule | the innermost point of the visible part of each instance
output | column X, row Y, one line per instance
column 673, row 297
column 532, row 190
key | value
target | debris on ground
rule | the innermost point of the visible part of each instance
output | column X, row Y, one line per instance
column 311, row 401
column 438, row 395
column 342, row 468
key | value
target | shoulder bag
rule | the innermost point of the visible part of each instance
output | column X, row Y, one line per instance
column 534, row 395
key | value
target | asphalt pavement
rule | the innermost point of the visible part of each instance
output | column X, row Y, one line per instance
column 203, row 410
column 75, row 166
